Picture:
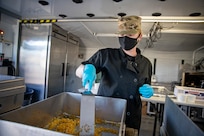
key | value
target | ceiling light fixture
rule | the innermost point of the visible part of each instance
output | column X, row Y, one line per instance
column 77, row 1
column 112, row 35
column 62, row 15
column 90, row 14
column 181, row 31
column 43, row 2
column 121, row 14
column 167, row 19
column 117, row 0
column 172, row 19
column 156, row 14
column 196, row 14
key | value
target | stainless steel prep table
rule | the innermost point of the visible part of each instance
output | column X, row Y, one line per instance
column 12, row 90
column 160, row 100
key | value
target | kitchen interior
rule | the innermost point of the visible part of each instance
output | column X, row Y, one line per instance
column 42, row 42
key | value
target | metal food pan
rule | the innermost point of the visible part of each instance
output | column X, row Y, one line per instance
column 161, row 91
column 8, row 128
column 40, row 113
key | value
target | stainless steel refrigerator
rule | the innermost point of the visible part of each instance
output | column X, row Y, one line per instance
column 43, row 59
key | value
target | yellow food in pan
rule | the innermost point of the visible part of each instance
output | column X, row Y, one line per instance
column 70, row 125
column 64, row 125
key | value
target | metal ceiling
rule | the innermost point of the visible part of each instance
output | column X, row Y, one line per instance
column 179, row 31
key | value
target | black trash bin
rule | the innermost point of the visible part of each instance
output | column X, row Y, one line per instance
column 28, row 96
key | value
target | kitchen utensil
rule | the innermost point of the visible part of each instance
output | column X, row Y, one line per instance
column 87, row 113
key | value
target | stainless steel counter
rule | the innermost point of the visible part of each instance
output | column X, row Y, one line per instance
column 160, row 93
column 159, row 99
column 12, row 90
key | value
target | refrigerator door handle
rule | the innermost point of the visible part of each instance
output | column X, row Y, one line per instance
column 64, row 70
column 67, row 69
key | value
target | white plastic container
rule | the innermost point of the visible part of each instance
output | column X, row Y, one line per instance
column 198, row 92
column 190, row 98
column 181, row 97
column 95, row 88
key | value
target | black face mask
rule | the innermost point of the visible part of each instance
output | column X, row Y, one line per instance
column 127, row 43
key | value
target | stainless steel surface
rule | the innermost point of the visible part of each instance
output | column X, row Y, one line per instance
column 8, row 128
column 33, row 55
column 179, row 125
column 40, row 113
column 56, row 64
column 159, row 91
column 10, row 81
column 72, row 82
column 43, row 59
column 11, row 93
column 11, row 99
column 87, row 114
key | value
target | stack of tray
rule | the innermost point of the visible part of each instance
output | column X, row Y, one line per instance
column 12, row 90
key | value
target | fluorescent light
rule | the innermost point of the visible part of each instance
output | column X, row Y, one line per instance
column 183, row 31
column 110, row 35
column 105, row 35
column 183, row 19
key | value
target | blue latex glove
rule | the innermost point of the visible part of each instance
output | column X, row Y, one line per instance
column 146, row 91
column 89, row 76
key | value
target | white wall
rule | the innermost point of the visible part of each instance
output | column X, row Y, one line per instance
column 10, row 27
column 167, row 63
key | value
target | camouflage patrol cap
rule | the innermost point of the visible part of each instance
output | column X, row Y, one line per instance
column 129, row 25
